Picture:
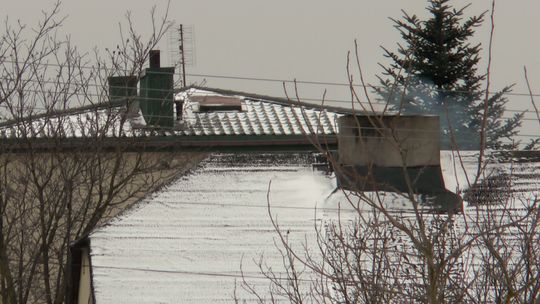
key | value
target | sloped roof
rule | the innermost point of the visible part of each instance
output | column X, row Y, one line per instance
column 258, row 117
column 82, row 122
column 187, row 243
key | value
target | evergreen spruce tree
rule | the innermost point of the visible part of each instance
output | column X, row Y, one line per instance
column 435, row 72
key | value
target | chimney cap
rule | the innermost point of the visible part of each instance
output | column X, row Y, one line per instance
column 154, row 59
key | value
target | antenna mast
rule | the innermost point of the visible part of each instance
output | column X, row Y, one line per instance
column 182, row 48
column 182, row 55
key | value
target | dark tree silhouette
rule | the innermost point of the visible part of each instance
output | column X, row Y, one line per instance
column 435, row 71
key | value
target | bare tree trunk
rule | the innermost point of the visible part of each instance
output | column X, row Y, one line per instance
column 51, row 196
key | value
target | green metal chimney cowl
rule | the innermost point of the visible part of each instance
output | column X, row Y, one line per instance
column 122, row 89
column 156, row 97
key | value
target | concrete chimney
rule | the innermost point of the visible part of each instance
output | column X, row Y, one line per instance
column 394, row 153
column 374, row 150
column 389, row 141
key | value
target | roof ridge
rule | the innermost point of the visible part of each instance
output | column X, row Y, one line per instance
column 271, row 99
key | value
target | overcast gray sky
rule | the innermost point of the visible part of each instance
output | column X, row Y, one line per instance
column 303, row 39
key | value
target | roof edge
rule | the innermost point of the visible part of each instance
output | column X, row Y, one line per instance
column 67, row 111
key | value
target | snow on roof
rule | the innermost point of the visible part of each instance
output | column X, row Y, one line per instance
column 256, row 117
column 72, row 123
column 249, row 116
column 187, row 243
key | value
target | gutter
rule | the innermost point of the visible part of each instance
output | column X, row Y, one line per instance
column 164, row 143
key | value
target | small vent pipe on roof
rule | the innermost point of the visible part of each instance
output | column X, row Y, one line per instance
column 154, row 59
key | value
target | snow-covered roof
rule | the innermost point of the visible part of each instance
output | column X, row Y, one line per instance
column 107, row 120
column 187, row 242
column 256, row 116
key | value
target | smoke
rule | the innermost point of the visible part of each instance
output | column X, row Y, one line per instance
column 455, row 109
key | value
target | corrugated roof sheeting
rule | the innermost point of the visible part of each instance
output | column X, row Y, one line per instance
column 260, row 118
column 208, row 222
column 257, row 117
column 90, row 123
column 187, row 242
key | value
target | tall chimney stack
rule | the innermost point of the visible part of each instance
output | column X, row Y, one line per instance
column 154, row 59
column 157, row 93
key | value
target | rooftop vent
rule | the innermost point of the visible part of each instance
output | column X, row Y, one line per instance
column 217, row 103
column 154, row 59
column 122, row 88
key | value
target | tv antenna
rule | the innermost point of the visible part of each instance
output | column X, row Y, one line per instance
column 182, row 48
